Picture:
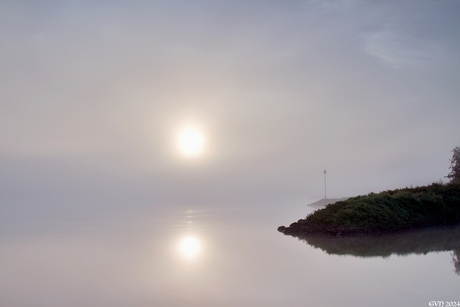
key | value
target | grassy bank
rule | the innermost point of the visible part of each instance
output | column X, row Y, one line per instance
column 385, row 212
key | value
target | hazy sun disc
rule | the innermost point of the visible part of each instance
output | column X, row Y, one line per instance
column 190, row 142
column 189, row 247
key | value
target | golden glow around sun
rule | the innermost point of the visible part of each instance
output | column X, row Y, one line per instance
column 190, row 142
column 189, row 247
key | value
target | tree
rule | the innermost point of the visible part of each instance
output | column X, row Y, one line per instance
column 454, row 174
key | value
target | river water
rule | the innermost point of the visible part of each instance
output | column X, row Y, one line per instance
column 220, row 257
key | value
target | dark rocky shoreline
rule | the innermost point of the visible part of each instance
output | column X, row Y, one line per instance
column 306, row 230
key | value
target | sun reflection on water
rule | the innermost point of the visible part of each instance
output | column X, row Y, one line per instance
column 190, row 247
column 190, row 244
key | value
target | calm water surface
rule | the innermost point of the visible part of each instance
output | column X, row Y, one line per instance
column 232, row 257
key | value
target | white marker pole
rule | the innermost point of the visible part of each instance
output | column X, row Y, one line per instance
column 325, row 184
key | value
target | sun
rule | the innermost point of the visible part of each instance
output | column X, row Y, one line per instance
column 190, row 142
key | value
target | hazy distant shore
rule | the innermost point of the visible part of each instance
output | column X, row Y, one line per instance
column 385, row 212
column 326, row 201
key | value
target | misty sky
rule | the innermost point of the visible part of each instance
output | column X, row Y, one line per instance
column 92, row 92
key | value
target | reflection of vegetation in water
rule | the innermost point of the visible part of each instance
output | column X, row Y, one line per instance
column 411, row 242
column 456, row 260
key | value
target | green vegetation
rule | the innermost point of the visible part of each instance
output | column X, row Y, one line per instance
column 389, row 211
column 454, row 174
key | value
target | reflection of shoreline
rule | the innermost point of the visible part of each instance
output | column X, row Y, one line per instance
column 456, row 260
column 410, row 242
